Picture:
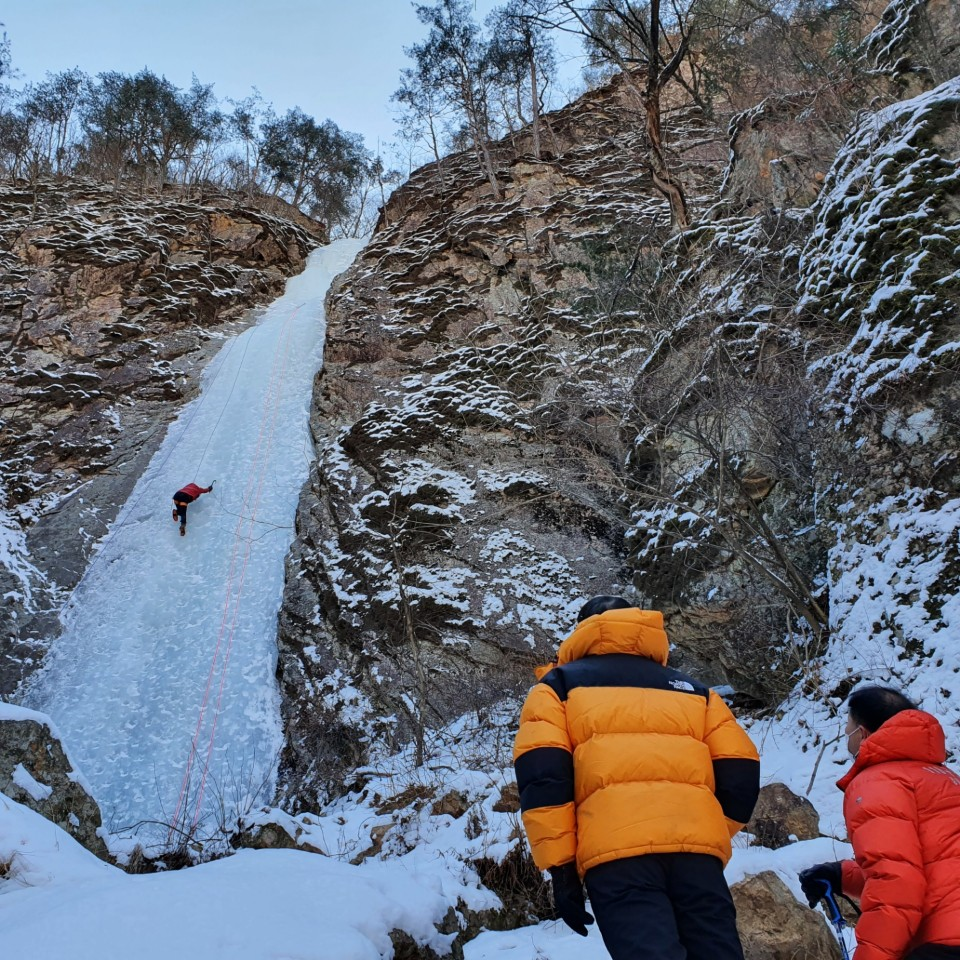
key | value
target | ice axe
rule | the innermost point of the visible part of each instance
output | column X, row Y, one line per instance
column 836, row 917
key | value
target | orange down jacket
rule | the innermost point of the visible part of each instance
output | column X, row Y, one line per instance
column 618, row 755
column 902, row 808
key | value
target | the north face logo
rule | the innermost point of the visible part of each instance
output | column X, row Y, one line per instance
column 682, row 685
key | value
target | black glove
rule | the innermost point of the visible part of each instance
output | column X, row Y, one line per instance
column 568, row 898
column 814, row 880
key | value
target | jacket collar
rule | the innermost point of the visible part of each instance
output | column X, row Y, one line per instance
column 618, row 631
column 908, row 735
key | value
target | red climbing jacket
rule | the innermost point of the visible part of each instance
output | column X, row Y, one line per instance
column 192, row 491
column 902, row 807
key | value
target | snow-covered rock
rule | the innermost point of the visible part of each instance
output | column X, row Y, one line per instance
column 36, row 771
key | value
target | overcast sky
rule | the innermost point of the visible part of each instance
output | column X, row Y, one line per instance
column 336, row 59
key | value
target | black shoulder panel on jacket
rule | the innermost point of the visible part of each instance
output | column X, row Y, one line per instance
column 620, row 670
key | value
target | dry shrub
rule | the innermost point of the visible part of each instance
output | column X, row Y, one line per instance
column 520, row 885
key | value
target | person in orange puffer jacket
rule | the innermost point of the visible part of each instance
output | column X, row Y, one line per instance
column 902, row 809
column 633, row 777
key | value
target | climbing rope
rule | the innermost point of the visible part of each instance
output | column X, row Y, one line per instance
column 223, row 410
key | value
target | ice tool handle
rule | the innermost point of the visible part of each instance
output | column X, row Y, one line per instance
column 836, row 917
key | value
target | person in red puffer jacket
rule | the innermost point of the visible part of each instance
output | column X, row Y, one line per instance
column 901, row 805
column 184, row 496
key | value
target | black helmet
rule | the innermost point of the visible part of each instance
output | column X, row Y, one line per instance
column 601, row 605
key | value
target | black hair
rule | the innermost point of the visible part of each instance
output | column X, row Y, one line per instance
column 601, row 605
column 872, row 707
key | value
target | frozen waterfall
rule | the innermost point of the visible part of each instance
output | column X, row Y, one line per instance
column 162, row 681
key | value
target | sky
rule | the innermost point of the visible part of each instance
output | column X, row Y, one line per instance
column 336, row 59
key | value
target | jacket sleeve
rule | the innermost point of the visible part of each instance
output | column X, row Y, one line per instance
column 736, row 764
column 885, row 834
column 852, row 878
column 543, row 760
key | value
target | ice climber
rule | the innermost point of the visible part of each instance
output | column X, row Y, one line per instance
column 633, row 777
column 181, row 500
column 902, row 810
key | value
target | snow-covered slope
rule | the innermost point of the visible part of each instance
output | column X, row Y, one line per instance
column 57, row 900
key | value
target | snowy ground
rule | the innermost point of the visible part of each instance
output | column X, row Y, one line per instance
column 163, row 680
column 57, row 900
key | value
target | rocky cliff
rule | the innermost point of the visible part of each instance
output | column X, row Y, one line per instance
column 36, row 771
column 111, row 303
column 529, row 400
column 467, row 420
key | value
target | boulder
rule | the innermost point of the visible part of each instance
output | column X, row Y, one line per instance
column 272, row 829
column 509, row 800
column 453, row 803
column 377, row 836
column 774, row 925
column 780, row 817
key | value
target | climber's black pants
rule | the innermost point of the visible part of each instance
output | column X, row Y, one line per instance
column 935, row 951
column 181, row 507
column 664, row 906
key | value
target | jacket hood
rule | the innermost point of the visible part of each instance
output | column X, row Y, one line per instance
column 618, row 631
column 908, row 735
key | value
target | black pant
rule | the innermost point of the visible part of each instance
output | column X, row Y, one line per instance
column 181, row 508
column 665, row 906
column 934, row 951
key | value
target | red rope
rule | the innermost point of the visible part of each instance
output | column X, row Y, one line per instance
column 259, row 462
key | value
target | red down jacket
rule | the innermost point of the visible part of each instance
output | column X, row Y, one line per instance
column 192, row 491
column 902, row 808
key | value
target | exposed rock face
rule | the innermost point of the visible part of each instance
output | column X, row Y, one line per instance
column 871, row 271
column 35, row 771
column 774, row 925
column 780, row 817
column 917, row 42
column 780, row 152
column 796, row 501
column 111, row 304
column 881, row 276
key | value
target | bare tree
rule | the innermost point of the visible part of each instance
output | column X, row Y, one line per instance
column 649, row 46
column 4, row 54
column 426, row 117
column 244, row 123
column 50, row 109
column 452, row 67
column 523, row 54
